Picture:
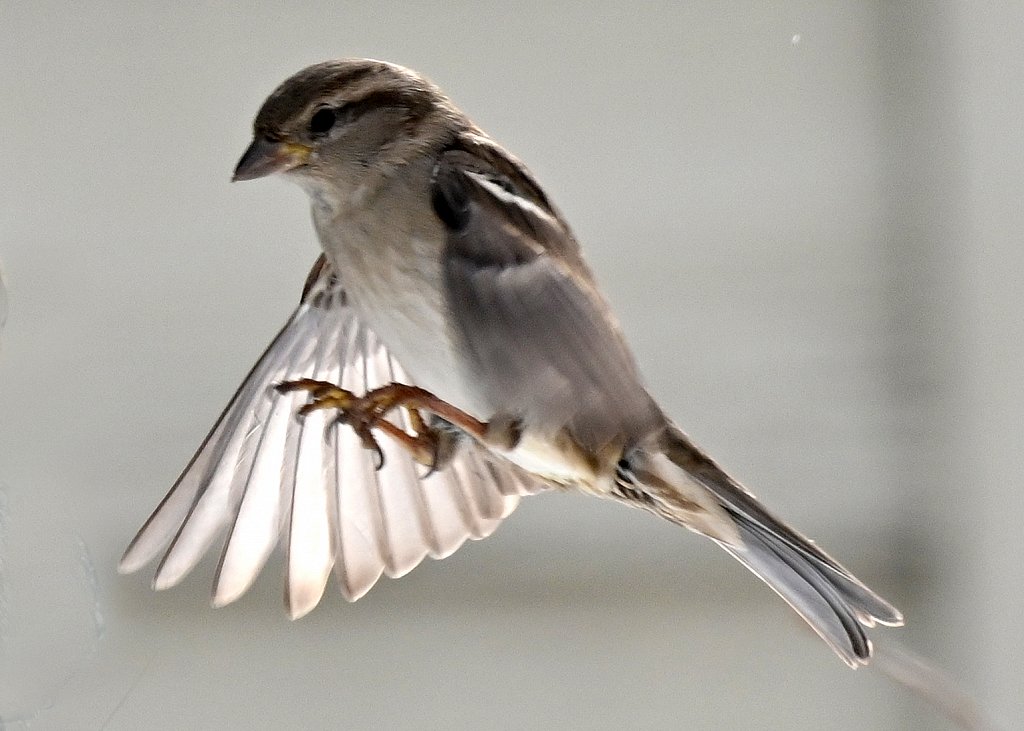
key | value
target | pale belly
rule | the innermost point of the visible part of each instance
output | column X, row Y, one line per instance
column 538, row 454
column 402, row 303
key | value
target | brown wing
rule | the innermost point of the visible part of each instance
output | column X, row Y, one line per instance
column 540, row 338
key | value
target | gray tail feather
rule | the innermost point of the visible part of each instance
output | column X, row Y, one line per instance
column 832, row 601
column 811, row 592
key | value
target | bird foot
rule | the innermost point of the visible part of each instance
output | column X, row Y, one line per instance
column 427, row 445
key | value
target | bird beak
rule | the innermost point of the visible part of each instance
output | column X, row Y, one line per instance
column 265, row 157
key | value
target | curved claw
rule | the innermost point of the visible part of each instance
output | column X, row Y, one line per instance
column 371, row 444
column 435, row 458
column 362, row 430
column 380, row 457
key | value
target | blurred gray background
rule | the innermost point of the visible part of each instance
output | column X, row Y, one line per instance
column 808, row 216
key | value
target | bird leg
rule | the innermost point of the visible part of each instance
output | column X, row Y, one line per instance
column 427, row 445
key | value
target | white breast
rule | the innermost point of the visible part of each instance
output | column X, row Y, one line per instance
column 389, row 260
column 404, row 307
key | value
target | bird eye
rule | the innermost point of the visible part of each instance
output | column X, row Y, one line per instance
column 322, row 121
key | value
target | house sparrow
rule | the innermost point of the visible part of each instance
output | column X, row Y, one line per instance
column 446, row 269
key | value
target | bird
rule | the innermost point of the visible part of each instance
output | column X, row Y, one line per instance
column 451, row 353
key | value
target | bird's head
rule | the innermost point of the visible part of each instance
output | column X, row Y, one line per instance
column 335, row 125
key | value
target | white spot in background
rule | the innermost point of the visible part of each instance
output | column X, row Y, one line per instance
column 795, row 40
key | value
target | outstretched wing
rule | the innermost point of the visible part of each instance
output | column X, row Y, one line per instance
column 263, row 474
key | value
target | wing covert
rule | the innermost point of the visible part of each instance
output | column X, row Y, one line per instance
column 539, row 335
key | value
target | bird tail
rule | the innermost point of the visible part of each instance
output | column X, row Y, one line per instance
column 832, row 600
